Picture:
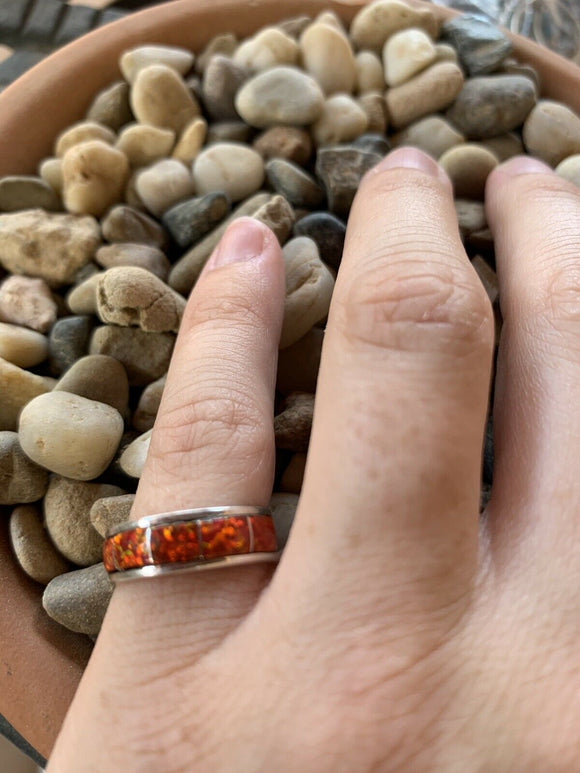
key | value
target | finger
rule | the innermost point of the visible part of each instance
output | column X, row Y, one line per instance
column 535, row 219
column 390, row 496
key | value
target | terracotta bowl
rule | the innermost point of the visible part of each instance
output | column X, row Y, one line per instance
column 40, row 662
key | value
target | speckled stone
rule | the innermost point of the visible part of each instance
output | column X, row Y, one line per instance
column 481, row 45
column 110, row 512
column 328, row 231
column 27, row 302
column 98, row 377
column 21, row 480
column 341, row 170
column 32, row 547
column 145, row 356
column 190, row 220
column 68, row 342
column 141, row 255
column 79, row 600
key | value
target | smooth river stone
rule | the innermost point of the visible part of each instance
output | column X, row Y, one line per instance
column 407, row 53
column 492, row 105
column 111, row 106
column 221, row 82
column 32, row 546
column 134, row 456
column 370, row 72
column 68, row 341
column 100, row 378
column 505, row 146
column 292, row 182
column 341, row 169
column 143, row 145
column 94, row 177
column 329, row 233
column 229, row 131
column 328, row 56
column 434, row 135
column 377, row 21
column 481, row 45
column 160, row 97
column 85, row 131
column 234, row 169
column 21, row 192
column 225, row 43
column 190, row 220
column 288, row 142
column 47, row 245
column 468, row 167
column 69, row 434
column 109, row 512
column 432, row 90
column 342, row 120
column 27, row 302
column 374, row 105
column 282, row 95
column 17, row 387
column 268, row 48
column 128, row 254
column 125, row 224
column 163, row 185
column 148, row 406
column 551, row 132
column 569, row 169
column 146, row 356
column 21, row 480
column 299, row 363
column 190, row 141
column 82, row 299
column 136, row 59
column 22, row 347
column 79, row 600
column 51, row 172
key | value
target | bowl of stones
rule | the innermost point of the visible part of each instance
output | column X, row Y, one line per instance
column 116, row 159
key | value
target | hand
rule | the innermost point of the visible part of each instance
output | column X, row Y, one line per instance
column 399, row 632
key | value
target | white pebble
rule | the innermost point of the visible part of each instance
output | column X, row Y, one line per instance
column 136, row 59
column 234, row 169
column 406, row 53
column 342, row 120
column 160, row 97
column 163, row 185
column 327, row 55
column 268, row 48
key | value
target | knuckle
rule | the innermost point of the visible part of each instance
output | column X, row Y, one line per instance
column 397, row 181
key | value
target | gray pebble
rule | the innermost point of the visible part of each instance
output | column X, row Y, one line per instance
column 221, row 82
column 481, row 45
column 125, row 224
column 145, row 356
column 141, row 255
column 32, row 546
column 68, row 342
column 189, row 220
column 79, row 600
column 98, row 377
column 341, row 169
column 328, row 231
column 21, row 480
column 110, row 512
column 21, row 192
column 111, row 106
column 372, row 143
column 229, row 131
column 292, row 182
column 149, row 402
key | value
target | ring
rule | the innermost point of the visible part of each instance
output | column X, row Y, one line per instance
column 185, row 540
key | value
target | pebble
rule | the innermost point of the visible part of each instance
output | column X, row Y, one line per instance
column 111, row 106
column 222, row 79
column 288, row 142
column 487, row 276
column 229, row 131
column 47, row 244
column 22, row 347
column 190, row 220
column 85, row 131
column 185, row 272
column 231, row 168
column 407, row 53
column 110, row 512
column 94, row 176
column 69, row 434
column 128, row 254
column 270, row 47
column 433, row 135
column 145, row 356
column 282, row 95
column 18, row 387
column 292, row 182
column 341, row 170
column 143, row 145
column 160, row 97
column 329, row 233
column 163, row 185
column 27, row 302
column 125, row 224
column 342, row 120
column 79, row 600
column 134, row 456
column 191, row 141
column 100, row 378
column 468, row 166
column 551, row 132
column 225, row 43
column 68, row 342
column 51, row 172
column 446, row 53
column 278, row 215
column 492, row 105
column 82, row 299
column 148, row 406
column 23, row 192
column 21, row 480
column 481, row 45
column 432, row 90
column 328, row 56
column 376, row 22
column 136, row 59
column 293, row 424
column 130, row 296
column 32, row 547
column 295, row 26
column 370, row 72
column 309, row 286
column 373, row 143
column 569, row 169
column 513, row 67
column 470, row 216
column 283, row 508
column 374, row 105
column 505, row 146
column 293, row 476
column 299, row 363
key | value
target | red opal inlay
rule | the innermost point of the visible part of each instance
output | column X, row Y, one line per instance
column 264, row 534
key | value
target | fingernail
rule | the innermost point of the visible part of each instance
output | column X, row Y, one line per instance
column 524, row 165
column 243, row 240
column 412, row 158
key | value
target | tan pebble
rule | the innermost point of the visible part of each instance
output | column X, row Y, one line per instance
column 164, row 184
column 51, row 172
column 69, row 434
column 225, row 44
column 287, row 142
column 370, row 72
column 332, row 19
column 278, row 215
column 470, row 216
column 552, row 132
column 18, row 387
column 79, row 600
column 407, row 53
column 342, row 120
column 433, row 135
column 47, row 244
column 82, row 299
column 283, row 508
column 293, row 476
column 569, row 169
column 298, row 364
column 94, row 177
column 148, row 406
column 82, row 132
column 233, row 169
column 143, row 145
column 111, row 106
column 468, row 166
column 100, row 378
column 27, row 192
column 487, row 276
column 446, row 53
column 131, row 296
column 268, row 48
column 505, row 146
column 131, row 196
column 32, row 546
column 145, row 356
column 110, row 512
column 293, row 424
column 295, row 26
column 160, row 97
column 432, row 90
column 126, row 224
column 27, row 302
column 373, row 104
column 377, row 21
column 136, row 59
column 128, row 254
column 309, row 286
column 22, row 347
column 191, row 141
column 327, row 55
column 134, row 456
column 21, row 480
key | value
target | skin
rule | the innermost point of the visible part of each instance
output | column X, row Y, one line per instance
column 400, row 632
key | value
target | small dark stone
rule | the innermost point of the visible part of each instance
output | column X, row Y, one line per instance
column 229, row 131
column 111, row 106
column 189, row 220
column 481, row 45
column 328, row 231
column 373, row 143
column 293, row 425
column 126, row 224
column 68, row 342
column 221, row 82
column 194, row 85
column 341, row 170
column 292, row 182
